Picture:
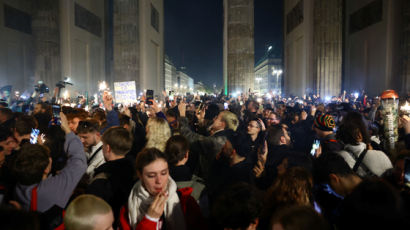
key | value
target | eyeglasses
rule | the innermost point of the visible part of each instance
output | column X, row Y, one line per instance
column 272, row 119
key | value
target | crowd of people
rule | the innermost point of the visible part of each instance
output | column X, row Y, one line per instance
column 203, row 162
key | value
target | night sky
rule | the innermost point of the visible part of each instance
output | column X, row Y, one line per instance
column 194, row 35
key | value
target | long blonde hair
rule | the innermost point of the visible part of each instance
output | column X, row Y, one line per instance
column 158, row 133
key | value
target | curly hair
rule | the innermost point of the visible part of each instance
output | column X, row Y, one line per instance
column 293, row 188
column 158, row 133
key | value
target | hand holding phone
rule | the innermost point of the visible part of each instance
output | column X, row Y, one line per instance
column 315, row 146
column 34, row 136
column 56, row 111
column 149, row 96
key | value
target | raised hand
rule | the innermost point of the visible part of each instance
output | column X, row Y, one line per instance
column 260, row 165
column 107, row 100
column 182, row 109
column 155, row 106
column 64, row 123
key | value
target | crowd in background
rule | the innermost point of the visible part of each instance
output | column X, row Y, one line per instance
column 202, row 162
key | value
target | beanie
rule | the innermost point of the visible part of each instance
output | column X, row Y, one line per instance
column 324, row 122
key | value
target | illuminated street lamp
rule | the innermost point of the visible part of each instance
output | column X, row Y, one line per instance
column 102, row 86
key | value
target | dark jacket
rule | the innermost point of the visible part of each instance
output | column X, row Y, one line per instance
column 113, row 182
column 203, row 148
column 331, row 144
column 183, row 177
column 303, row 135
column 222, row 175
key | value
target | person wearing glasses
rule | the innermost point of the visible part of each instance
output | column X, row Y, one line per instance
column 90, row 136
column 272, row 119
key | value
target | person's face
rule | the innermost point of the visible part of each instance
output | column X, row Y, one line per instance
column 37, row 109
column 272, row 120
column 103, row 221
column 155, row 176
column 172, row 121
column 253, row 128
column 266, row 113
column 88, row 139
column 73, row 124
column 296, row 118
column 218, row 123
column 8, row 145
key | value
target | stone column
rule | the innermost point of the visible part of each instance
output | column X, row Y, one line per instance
column 126, row 41
column 327, row 46
column 238, row 45
column 66, row 20
column 46, row 34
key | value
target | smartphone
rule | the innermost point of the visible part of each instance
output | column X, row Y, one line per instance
column 171, row 97
column 407, row 172
column 56, row 111
column 315, row 146
column 226, row 106
column 149, row 96
column 34, row 135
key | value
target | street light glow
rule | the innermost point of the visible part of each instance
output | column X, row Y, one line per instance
column 102, row 86
column 65, row 95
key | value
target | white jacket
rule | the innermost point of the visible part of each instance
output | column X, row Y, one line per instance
column 96, row 161
column 376, row 161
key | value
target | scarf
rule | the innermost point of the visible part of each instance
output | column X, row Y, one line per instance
column 140, row 200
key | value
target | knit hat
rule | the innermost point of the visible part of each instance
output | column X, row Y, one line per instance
column 324, row 122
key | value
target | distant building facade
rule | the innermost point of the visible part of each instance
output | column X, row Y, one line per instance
column 377, row 54
column 49, row 40
column 184, row 83
column 85, row 40
column 170, row 74
column 138, row 36
column 352, row 45
column 313, row 47
column 268, row 74
column 238, row 46
column 176, row 79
